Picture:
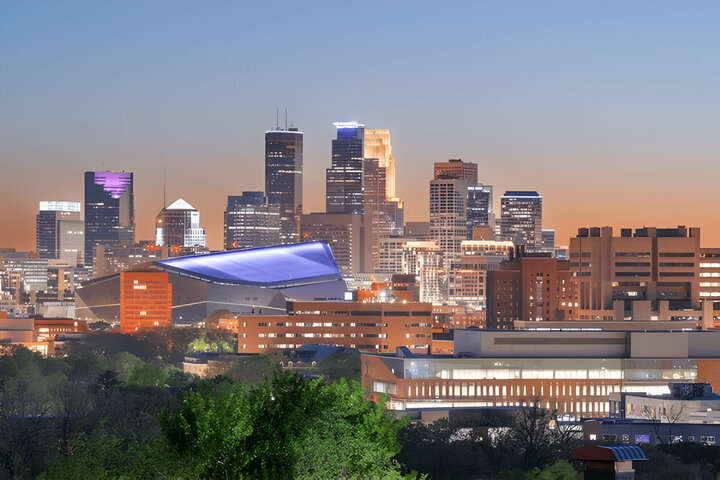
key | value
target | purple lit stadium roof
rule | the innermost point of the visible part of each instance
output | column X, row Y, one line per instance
column 276, row 266
column 115, row 183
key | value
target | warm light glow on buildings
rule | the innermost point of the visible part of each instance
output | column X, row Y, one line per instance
column 145, row 300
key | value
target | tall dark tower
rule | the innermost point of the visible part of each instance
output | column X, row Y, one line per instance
column 344, row 179
column 109, row 210
column 284, row 178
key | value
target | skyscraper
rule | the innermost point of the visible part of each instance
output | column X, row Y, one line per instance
column 448, row 206
column 284, row 178
column 479, row 207
column 344, row 179
column 250, row 222
column 59, row 231
column 383, row 211
column 109, row 210
column 521, row 217
column 178, row 224
column 457, row 169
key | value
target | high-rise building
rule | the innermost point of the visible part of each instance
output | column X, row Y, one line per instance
column 284, row 178
column 448, row 216
column 377, row 145
column 60, row 232
column 250, row 222
column 425, row 261
column 448, row 206
column 457, row 169
column 531, row 289
column 479, row 207
column 344, row 179
column 344, row 233
column 644, row 274
column 467, row 279
column 178, row 224
column 521, row 217
column 109, row 210
column 383, row 211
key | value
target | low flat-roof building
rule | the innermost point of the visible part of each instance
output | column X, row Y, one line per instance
column 571, row 372
column 374, row 327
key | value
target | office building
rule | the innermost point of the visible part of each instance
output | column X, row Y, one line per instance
column 571, row 372
column 479, row 207
column 382, row 217
column 119, row 258
column 178, row 225
column 250, row 222
column 448, row 216
column 646, row 274
column 377, row 146
column 372, row 327
column 417, row 230
column 345, row 234
column 109, row 210
column 467, row 278
column 344, row 179
column 145, row 300
column 426, row 261
column 521, row 218
column 252, row 281
column 59, row 232
column 31, row 272
column 456, row 169
column 530, row 289
column 284, row 179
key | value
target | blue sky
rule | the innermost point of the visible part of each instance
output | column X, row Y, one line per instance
column 608, row 109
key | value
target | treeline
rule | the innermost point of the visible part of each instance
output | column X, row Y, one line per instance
column 90, row 415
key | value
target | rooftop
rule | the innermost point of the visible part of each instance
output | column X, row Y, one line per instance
column 276, row 266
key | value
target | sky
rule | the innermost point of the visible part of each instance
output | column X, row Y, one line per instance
column 609, row 110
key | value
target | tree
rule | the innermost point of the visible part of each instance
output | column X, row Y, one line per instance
column 287, row 427
column 560, row 470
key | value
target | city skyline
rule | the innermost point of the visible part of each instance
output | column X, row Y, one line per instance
column 608, row 115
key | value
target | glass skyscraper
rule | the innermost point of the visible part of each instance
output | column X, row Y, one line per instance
column 59, row 231
column 109, row 210
column 284, row 178
column 521, row 217
column 479, row 207
column 344, row 179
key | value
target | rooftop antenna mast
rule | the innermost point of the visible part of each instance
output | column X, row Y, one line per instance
column 164, row 186
column 277, row 118
column 286, row 119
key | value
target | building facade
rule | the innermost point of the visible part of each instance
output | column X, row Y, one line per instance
column 573, row 373
column 145, row 300
column 178, row 224
column 530, row 289
column 60, row 232
column 344, row 179
column 284, row 178
column 344, row 233
column 373, row 327
column 479, row 207
column 250, row 222
column 109, row 210
column 646, row 274
column 521, row 217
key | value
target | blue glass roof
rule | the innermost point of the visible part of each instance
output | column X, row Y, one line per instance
column 277, row 266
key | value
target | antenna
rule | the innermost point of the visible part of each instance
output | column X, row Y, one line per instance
column 164, row 186
column 286, row 119
column 277, row 118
